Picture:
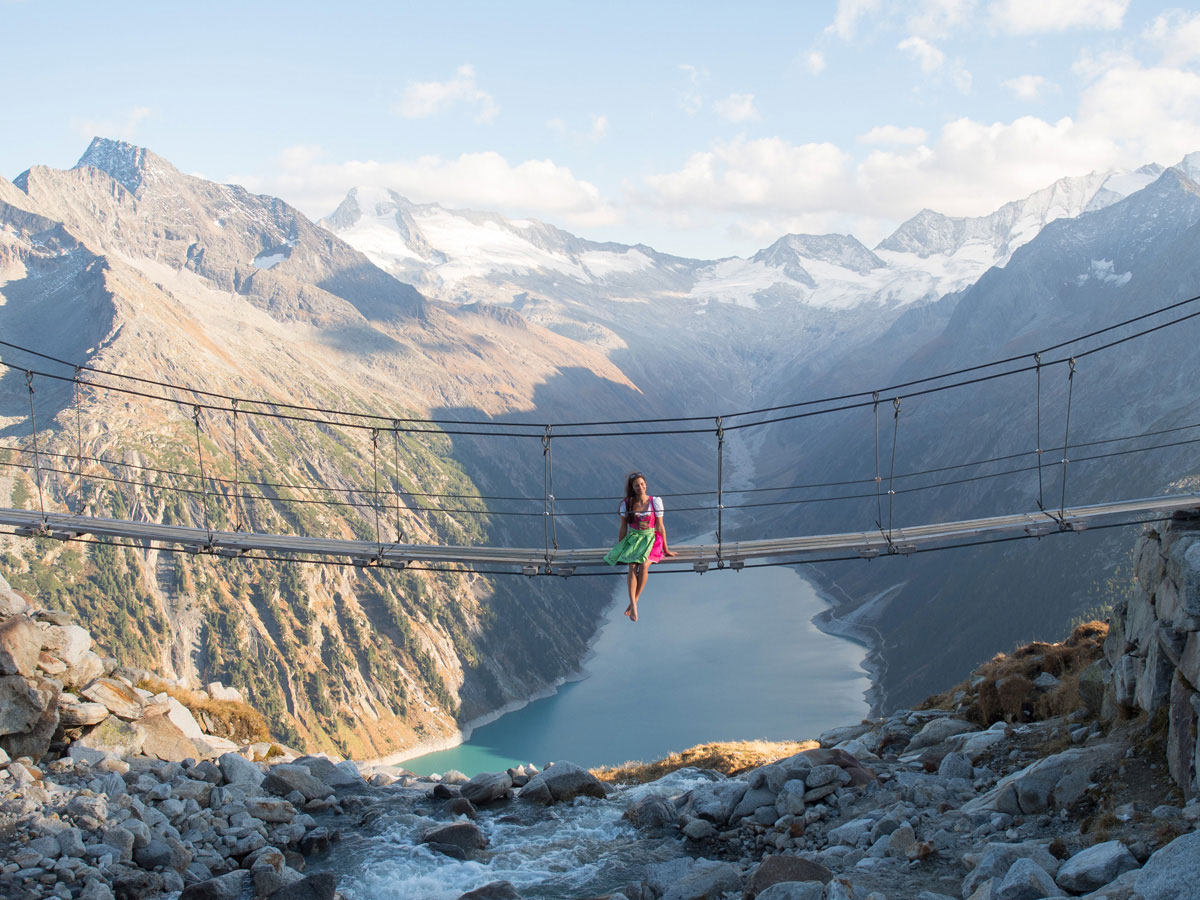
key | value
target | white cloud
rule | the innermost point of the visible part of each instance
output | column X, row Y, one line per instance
column 938, row 18
column 423, row 99
column 1027, row 87
column 595, row 133
column 893, row 134
column 483, row 180
column 1127, row 115
column 1045, row 16
column 737, row 108
column 1176, row 35
column 815, row 61
column 929, row 57
column 765, row 174
column 845, row 20
column 124, row 129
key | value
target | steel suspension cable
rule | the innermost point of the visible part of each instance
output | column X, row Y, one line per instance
column 1066, row 440
column 37, row 459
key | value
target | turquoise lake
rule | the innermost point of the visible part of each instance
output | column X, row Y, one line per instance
column 720, row 656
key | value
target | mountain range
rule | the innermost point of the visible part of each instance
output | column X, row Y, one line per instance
column 126, row 264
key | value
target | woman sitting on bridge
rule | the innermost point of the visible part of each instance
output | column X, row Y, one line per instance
column 642, row 539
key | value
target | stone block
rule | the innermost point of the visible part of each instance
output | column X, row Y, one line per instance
column 164, row 740
column 11, row 603
column 1140, row 623
column 1125, row 676
column 1183, row 567
column 68, row 642
column 20, row 705
column 1181, row 734
column 1115, row 643
column 1173, row 872
column 20, row 646
column 1154, row 686
column 119, row 698
column 1093, row 868
column 115, row 736
column 1148, row 564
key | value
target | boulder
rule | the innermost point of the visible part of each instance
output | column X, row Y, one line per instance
column 270, row 809
column 285, row 778
column 706, row 880
column 164, row 740
column 35, row 741
column 114, row 736
column 487, row 787
column 218, row 691
column 937, row 731
column 998, row 858
column 20, row 646
column 851, row 832
column 343, row 774
column 794, row 890
column 1173, row 872
column 1054, row 781
column 1026, row 880
column 790, row 799
column 83, row 673
column 955, row 765
column 781, row 869
column 1091, row 869
column 73, row 713
column 859, row 774
column 493, row 890
column 321, row 886
column 464, row 835
column 11, row 603
column 753, row 799
column 562, row 781
column 118, row 698
column 68, row 642
column 181, row 717
column 236, row 769
column 20, row 705
column 717, row 800
column 651, row 812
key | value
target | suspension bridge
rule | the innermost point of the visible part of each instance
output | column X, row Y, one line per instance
column 221, row 522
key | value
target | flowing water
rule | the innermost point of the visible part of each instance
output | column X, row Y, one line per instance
column 582, row 849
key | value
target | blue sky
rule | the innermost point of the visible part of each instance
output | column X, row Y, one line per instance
column 700, row 129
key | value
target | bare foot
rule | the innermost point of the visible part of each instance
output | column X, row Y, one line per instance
column 629, row 610
column 633, row 614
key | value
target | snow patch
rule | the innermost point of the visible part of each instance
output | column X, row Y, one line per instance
column 268, row 259
column 602, row 263
column 1102, row 271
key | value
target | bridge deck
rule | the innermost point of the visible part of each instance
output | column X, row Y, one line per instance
column 536, row 560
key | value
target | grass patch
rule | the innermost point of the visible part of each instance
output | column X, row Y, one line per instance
column 727, row 757
column 238, row 722
column 1002, row 688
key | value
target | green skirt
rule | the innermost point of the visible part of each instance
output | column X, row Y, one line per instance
column 638, row 546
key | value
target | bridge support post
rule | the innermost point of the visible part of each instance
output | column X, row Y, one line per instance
column 720, row 487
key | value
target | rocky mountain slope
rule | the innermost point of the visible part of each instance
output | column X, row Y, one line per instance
column 1078, row 274
column 125, row 264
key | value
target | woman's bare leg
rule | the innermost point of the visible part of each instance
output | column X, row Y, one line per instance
column 631, row 583
column 642, row 575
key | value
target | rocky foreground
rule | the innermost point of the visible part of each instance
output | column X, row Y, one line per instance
column 1063, row 770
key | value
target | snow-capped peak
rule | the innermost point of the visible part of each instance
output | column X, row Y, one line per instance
column 127, row 163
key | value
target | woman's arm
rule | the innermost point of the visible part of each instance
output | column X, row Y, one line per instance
column 662, row 529
column 624, row 530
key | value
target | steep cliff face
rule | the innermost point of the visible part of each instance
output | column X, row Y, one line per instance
column 126, row 265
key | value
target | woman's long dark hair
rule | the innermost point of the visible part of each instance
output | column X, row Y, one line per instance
column 631, row 495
